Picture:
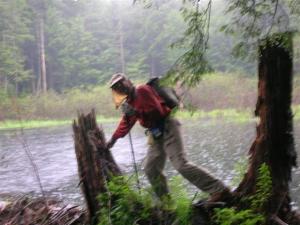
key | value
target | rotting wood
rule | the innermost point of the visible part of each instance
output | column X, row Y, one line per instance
column 96, row 165
column 274, row 144
column 32, row 211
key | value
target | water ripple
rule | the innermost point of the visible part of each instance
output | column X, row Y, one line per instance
column 217, row 146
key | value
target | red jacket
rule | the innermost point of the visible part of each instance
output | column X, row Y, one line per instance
column 150, row 110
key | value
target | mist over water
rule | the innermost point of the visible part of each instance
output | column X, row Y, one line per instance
column 214, row 144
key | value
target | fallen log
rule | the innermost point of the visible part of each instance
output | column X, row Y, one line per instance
column 96, row 165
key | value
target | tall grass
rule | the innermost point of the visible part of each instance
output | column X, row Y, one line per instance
column 217, row 95
column 224, row 91
column 231, row 115
column 65, row 105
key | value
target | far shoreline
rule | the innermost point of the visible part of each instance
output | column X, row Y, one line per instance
column 229, row 115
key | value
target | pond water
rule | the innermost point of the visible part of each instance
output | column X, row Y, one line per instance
column 214, row 144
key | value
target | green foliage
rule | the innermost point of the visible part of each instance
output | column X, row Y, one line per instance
column 75, row 55
column 230, row 216
column 123, row 204
column 190, row 67
column 53, row 105
column 252, row 215
column 129, row 205
column 296, row 112
column 263, row 188
column 82, row 42
column 182, row 202
column 215, row 98
column 230, row 115
column 14, row 31
column 255, row 21
column 28, row 124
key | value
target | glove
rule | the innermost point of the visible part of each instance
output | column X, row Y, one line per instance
column 110, row 143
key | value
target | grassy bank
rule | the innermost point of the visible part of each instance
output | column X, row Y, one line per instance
column 229, row 115
column 57, row 106
column 217, row 95
column 216, row 91
column 27, row 124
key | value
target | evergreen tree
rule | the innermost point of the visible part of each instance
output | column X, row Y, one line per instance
column 14, row 32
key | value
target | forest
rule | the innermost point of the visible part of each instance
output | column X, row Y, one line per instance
column 60, row 44
column 51, row 50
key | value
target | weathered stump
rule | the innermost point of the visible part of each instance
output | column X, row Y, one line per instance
column 274, row 144
column 96, row 165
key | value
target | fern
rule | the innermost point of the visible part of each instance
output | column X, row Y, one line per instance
column 182, row 201
column 230, row 216
column 264, row 187
column 250, row 216
column 131, row 206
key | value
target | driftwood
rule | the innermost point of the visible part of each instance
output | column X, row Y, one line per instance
column 96, row 165
column 28, row 211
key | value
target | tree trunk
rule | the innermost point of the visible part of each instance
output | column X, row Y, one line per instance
column 153, row 68
column 274, row 144
column 17, row 88
column 43, row 76
column 5, row 84
column 121, row 40
column 96, row 165
column 38, row 83
column 33, row 80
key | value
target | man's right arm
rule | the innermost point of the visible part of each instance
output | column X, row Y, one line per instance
column 123, row 128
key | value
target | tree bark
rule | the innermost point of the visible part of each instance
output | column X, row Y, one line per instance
column 38, row 83
column 153, row 67
column 121, row 40
column 33, row 80
column 42, row 54
column 274, row 144
column 96, row 165
column 5, row 84
column 17, row 88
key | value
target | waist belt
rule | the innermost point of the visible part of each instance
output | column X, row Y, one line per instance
column 158, row 130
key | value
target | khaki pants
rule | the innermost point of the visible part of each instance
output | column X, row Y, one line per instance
column 171, row 145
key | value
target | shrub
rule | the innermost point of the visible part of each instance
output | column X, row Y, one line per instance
column 251, row 215
column 123, row 204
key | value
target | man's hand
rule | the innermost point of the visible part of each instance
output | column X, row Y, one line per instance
column 110, row 143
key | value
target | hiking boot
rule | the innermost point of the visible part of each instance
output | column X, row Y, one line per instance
column 216, row 200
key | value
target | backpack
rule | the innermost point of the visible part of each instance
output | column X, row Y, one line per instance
column 168, row 94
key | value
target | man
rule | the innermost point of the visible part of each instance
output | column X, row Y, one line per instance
column 143, row 104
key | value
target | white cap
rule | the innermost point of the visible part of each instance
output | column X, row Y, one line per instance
column 116, row 78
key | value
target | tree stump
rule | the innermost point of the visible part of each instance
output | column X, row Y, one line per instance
column 274, row 144
column 96, row 165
